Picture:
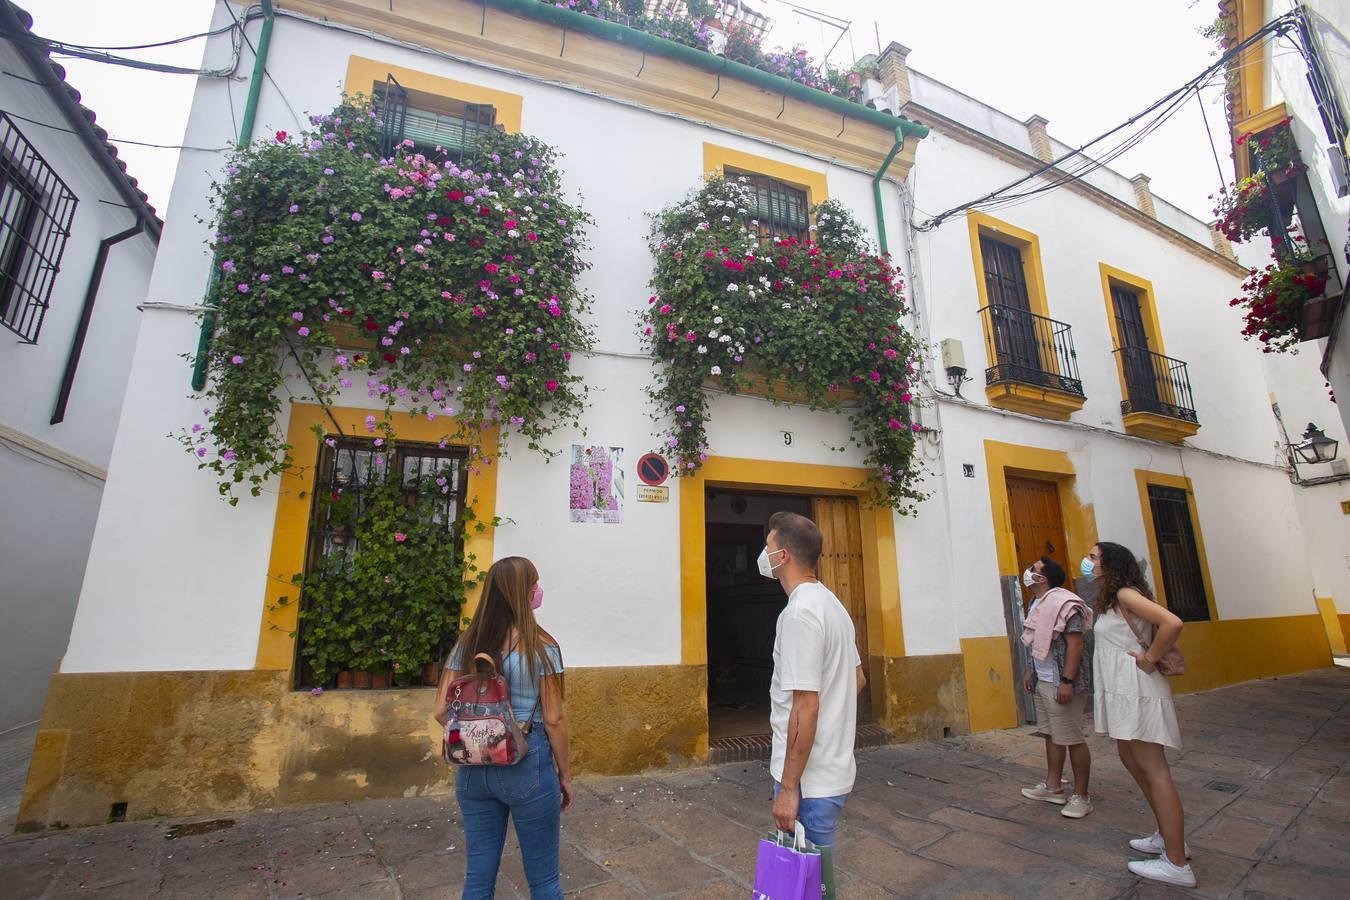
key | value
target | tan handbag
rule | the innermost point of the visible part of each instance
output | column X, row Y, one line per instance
column 1172, row 662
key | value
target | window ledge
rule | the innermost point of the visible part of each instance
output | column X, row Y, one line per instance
column 1159, row 428
column 1034, row 400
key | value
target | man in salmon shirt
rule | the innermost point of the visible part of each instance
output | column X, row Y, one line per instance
column 1061, row 678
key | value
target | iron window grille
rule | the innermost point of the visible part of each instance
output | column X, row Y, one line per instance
column 777, row 210
column 1183, row 580
column 349, row 467
column 36, row 210
column 446, row 133
column 1026, row 348
column 1156, row 384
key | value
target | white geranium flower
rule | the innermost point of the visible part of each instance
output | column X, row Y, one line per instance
column 717, row 320
column 713, row 333
column 726, row 218
column 733, row 288
column 787, row 306
column 716, row 370
column 702, row 349
column 725, row 339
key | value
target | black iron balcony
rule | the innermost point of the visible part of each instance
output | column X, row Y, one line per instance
column 1025, row 348
column 1156, row 384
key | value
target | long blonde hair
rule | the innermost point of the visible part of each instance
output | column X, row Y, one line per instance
column 505, row 603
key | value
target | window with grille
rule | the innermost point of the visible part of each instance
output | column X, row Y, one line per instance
column 36, row 209
column 778, row 210
column 348, row 469
column 1183, row 579
column 439, row 127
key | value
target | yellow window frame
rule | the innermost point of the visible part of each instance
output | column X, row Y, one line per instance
column 363, row 74
column 1143, row 478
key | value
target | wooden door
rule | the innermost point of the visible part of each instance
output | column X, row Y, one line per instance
column 1005, row 285
column 1037, row 524
column 841, row 567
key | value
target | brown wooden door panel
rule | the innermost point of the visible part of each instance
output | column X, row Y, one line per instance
column 1037, row 523
column 841, row 568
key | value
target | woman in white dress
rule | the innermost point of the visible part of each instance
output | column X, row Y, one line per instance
column 1133, row 701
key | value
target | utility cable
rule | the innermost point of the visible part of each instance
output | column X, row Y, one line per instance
column 1280, row 25
column 114, row 140
column 1209, row 133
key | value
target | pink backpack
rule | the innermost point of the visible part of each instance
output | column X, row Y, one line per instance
column 482, row 729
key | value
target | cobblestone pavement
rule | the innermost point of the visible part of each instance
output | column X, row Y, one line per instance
column 1265, row 781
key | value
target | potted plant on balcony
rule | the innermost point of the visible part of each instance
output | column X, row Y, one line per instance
column 460, row 280
column 813, row 316
column 1243, row 209
column 1275, row 151
column 1275, row 298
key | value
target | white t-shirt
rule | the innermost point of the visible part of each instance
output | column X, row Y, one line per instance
column 815, row 650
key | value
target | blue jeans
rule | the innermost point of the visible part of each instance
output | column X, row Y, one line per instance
column 529, row 794
column 819, row 816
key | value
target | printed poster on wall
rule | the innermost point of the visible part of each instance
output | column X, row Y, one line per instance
column 596, row 490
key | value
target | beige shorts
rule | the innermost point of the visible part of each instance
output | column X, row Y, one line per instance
column 1063, row 722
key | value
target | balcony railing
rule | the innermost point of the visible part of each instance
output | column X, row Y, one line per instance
column 1025, row 348
column 1156, row 384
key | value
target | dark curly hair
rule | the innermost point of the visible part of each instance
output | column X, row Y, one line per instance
column 1120, row 569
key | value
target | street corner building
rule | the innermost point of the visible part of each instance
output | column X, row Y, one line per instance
column 741, row 311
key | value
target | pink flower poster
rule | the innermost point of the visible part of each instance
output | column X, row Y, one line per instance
column 596, row 485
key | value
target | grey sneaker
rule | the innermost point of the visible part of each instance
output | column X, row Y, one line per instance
column 1153, row 844
column 1077, row 807
column 1041, row 792
column 1162, row 870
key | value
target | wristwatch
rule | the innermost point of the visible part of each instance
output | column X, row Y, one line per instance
column 1064, row 680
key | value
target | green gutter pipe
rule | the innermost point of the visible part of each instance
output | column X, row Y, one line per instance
column 876, row 188
column 245, row 138
column 702, row 59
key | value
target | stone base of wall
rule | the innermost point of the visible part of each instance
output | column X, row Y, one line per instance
column 924, row 696
column 185, row 743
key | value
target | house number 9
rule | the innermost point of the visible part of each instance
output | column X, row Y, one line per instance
column 787, row 439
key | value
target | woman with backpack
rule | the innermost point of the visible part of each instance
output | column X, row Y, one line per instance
column 495, row 783
column 1133, row 701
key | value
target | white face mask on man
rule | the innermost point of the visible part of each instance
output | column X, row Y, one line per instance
column 1031, row 577
column 765, row 568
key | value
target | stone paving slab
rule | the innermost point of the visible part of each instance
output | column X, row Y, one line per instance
column 1265, row 778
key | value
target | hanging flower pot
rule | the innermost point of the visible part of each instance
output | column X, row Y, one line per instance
column 361, row 681
column 379, row 681
column 344, row 680
column 431, row 674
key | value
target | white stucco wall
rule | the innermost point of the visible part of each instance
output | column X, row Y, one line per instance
column 47, row 519
column 196, row 569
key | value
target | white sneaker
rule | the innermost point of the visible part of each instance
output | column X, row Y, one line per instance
column 1162, row 870
column 1077, row 807
column 1153, row 844
column 1041, row 792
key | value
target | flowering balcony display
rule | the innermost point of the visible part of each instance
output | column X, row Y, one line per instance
column 404, row 281
column 808, row 320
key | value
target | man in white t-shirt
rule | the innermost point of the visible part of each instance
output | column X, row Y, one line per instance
column 817, row 676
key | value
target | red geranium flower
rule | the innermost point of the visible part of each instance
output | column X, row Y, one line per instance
column 281, row 137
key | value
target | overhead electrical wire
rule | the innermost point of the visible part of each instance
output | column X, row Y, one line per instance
column 1083, row 163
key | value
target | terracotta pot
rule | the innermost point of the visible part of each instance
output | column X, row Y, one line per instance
column 379, row 681
column 431, row 674
column 361, row 680
column 344, row 680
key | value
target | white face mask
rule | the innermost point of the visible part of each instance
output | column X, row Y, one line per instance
column 1031, row 578
column 765, row 568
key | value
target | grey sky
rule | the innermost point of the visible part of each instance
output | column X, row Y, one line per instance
column 1085, row 65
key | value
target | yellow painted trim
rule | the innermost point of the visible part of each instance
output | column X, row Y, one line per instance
column 1251, row 73
column 1326, row 608
column 980, row 223
column 290, row 530
column 1159, row 428
column 1034, row 401
column 363, row 74
column 1258, row 123
column 1143, row 478
column 1002, row 460
column 716, row 158
column 881, row 573
column 1345, row 627
column 1148, row 305
column 1226, row 652
column 989, row 683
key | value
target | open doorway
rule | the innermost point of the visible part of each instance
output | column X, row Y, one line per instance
column 743, row 606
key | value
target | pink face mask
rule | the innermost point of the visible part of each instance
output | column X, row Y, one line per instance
column 537, row 598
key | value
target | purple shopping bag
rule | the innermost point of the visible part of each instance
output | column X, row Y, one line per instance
column 787, row 871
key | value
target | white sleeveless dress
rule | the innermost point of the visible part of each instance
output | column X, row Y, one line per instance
column 1129, row 703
